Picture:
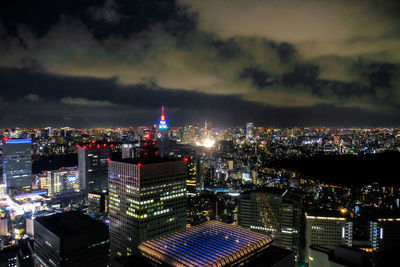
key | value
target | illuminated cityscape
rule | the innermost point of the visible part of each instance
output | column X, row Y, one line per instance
column 199, row 133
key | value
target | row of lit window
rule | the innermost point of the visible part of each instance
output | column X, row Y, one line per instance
column 172, row 196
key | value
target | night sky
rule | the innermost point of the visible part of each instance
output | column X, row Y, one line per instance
column 280, row 63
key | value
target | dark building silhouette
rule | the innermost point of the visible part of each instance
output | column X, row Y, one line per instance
column 163, row 140
column 93, row 167
column 70, row 239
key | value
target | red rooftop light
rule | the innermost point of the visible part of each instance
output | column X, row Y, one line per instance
column 84, row 147
column 139, row 165
column 108, row 159
column 104, row 145
column 111, row 145
column 78, row 146
column 186, row 159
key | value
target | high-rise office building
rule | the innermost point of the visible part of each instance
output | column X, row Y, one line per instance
column 56, row 181
column 70, row 239
column 93, row 167
column 250, row 130
column 384, row 234
column 163, row 140
column 208, row 125
column 127, row 151
column 147, row 199
column 192, row 182
column 97, row 203
column 274, row 212
column 4, row 226
column 17, row 163
column 328, row 230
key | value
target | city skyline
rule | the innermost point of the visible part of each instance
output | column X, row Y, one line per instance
column 279, row 64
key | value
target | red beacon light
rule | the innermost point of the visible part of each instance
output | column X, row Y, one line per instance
column 84, row 147
column 104, row 145
column 78, row 146
column 139, row 164
column 111, row 145
column 90, row 145
column 108, row 159
column 98, row 146
column 186, row 159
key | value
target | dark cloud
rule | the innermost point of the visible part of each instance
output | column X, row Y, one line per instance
column 285, row 51
column 259, row 78
column 227, row 49
column 91, row 102
column 203, row 58
column 108, row 13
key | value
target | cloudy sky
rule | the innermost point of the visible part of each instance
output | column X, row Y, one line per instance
column 277, row 63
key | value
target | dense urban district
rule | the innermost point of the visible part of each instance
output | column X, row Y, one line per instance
column 199, row 195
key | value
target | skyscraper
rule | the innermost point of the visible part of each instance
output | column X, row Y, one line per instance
column 192, row 181
column 56, row 181
column 70, row 239
column 274, row 212
column 17, row 163
column 327, row 229
column 93, row 167
column 249, row 130
column 384, row 234
column 127, row 151
column 163, row 140
column 147, row 200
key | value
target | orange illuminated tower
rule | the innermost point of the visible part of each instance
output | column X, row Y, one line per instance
column 163, row 123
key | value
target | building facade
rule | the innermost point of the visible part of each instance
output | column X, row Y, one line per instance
column 192, row 182
column 275, row 212
column 17, row 163
column 93, row 167
column 327, row 230
column 146, row 200
column 97, row 203
column 384, row 234
column 56, row 181
column 70, row 239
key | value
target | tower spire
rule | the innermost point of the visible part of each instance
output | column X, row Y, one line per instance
column 163, row 123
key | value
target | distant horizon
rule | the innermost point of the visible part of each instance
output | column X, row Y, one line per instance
column 202, row 126
column 116, row 62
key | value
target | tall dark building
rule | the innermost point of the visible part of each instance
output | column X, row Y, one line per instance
column 384, row 234
column 327, row 229
column 97, row 203
column 192, row 182
column 274, row 212
column 70, row 239
column 17, row 163
column 147, row 200
column 163, row 140
column 93, row 167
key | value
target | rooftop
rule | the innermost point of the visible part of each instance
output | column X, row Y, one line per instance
column 151, row 160
column 283, row 193
column 212, row 243
column 324, row 213
column 70, row 223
